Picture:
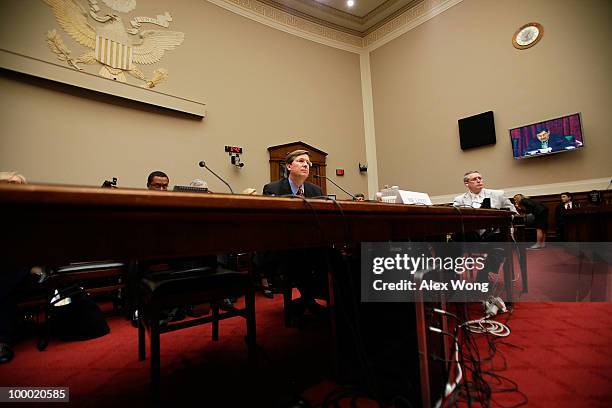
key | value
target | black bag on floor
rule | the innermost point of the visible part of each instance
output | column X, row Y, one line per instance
column 73, row 315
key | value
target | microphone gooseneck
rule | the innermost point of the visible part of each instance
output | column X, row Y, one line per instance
column 203, row 164
column 331, row 181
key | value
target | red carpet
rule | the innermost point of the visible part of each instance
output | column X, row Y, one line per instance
column 195, row 370
column 560, row 276
column 559, row 354
column 565, row 358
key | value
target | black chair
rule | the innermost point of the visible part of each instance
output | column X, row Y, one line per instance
column 96, row 278
column 165, row 290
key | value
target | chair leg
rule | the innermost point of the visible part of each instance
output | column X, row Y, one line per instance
column 142, row 346
column 44, row 329
column 154, row 350
column 287, row 295
column 249, row 300
column 215, row 323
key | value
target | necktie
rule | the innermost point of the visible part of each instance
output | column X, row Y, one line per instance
column 300, row 191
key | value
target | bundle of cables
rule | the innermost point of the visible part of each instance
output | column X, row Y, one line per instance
column 470, row 383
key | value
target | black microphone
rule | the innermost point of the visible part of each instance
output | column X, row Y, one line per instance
column 331, row 181
column 203, row 164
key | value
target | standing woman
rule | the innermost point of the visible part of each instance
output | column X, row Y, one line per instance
column 540, row 221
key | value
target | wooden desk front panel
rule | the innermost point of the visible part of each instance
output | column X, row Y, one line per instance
column 54, row 225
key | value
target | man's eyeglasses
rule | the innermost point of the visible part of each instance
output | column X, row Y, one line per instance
column 301, row 162
column 475, row 179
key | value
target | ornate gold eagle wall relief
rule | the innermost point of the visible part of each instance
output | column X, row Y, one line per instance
column 117, row 42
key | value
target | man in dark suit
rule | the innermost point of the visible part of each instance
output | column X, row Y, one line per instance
column 561, row 210
column 554, row 142
column 298, row 166
column 304, row 268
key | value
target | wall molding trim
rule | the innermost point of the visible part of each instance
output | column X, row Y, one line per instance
column 406, row 21
column 301, row 27
column 540, row 189
column 283, row 21
column 25, row 64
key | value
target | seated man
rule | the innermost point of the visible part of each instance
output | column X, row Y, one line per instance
column 304, row 267
column 548, row 142
column 475, row 197
column 477, row 193
column 158, row 180
column 10, row 283
column 11, row 177
column 298, row 166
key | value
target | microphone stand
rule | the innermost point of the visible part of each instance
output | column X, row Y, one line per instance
column 331, row 181
column 203, row 164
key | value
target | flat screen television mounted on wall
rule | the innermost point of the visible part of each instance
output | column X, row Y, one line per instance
column 552, row 136
column 477, row 130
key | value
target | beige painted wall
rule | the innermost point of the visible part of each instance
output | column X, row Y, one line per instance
column 262, row 87
column 462, row 62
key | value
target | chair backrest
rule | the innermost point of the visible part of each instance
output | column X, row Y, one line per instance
column 97, row 277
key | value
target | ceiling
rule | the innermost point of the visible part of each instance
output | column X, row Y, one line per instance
column 364, row 17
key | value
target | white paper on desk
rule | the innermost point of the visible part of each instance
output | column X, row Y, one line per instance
column 413, row 197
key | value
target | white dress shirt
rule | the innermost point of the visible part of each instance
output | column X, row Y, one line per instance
column 477, row 199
